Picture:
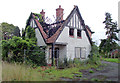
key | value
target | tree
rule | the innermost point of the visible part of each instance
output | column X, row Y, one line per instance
column 9, row 30
column 14, row 48
column 111, row 28
column 109, row 43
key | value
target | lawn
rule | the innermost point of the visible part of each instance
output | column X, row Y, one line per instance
column 17, row 72
column 116, row 60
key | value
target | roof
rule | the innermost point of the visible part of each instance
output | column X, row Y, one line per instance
column 89, row 28
column 50, row 32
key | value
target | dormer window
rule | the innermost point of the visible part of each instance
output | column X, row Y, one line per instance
column 78, row 33
column 71, row 32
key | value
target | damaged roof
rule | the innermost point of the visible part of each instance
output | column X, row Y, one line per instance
column 50, row 32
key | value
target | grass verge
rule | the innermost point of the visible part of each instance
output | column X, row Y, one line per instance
column 116, row 60
column 17, row 72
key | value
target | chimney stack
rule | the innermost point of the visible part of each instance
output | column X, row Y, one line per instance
column 43, row 14
column 59, row 13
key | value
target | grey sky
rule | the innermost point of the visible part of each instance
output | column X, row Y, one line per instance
column 93, row 11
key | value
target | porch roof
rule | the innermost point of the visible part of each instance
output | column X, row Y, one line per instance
column 61, row 43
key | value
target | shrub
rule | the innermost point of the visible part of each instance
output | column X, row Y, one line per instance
column 36, row 57
column 91, row 71
column 70, row 63
column 94, row 57
column 5, row 49
column 61, row 64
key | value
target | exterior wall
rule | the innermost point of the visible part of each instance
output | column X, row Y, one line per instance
column 74, row 42
column 40, row 41
column 62, row 52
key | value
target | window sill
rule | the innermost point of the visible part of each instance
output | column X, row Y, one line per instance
column 79, row 37
column 71, row 36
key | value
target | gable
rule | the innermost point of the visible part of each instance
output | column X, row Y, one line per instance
column 32, row 23
column 40, row 40
column 38, row 30
column 74, row 22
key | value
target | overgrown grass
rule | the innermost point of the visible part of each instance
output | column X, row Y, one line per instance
column 17, row 72
column 0, row 71
column 116, row 60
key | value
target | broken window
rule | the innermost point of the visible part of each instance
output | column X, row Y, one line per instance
column 71, row 32
column 79, row 33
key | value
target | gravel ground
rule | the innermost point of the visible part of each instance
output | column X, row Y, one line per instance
column 107, row 72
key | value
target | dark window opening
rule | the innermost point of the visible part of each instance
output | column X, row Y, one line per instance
column 71, row 32
column 79, row 33
column 56, row 52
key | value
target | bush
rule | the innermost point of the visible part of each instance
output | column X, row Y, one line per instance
column 70, row 63
column 94, row 59
column 91, row 71
column 36, row 57
column 5, row 50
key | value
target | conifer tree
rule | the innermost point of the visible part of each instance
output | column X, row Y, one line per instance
column 109, row 43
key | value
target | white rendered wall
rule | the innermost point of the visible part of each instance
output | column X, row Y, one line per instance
column 40, row 40
column 74, row 42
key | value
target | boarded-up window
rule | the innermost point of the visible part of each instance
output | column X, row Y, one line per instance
column 83, row 53
column 77, row 52
column 80, row 52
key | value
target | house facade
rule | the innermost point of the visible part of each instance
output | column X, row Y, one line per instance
column 69, row 38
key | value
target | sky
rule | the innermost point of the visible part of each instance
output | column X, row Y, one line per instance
column 16, row 12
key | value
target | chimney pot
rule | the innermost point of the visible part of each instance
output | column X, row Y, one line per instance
column 43, row 14
column 59, row 13
column 59, row 6
column 74, row 6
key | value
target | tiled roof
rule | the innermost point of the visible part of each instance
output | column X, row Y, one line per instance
column 40, row 28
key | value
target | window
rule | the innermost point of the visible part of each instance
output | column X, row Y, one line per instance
column 83, row 53
column 79, row 33
column 71, row 32
column 80, row 52
column 77, row 52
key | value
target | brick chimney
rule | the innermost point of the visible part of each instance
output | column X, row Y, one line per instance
column 59, row 13
column 43, row 14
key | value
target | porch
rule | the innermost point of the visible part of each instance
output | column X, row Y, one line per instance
column 55, row 53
